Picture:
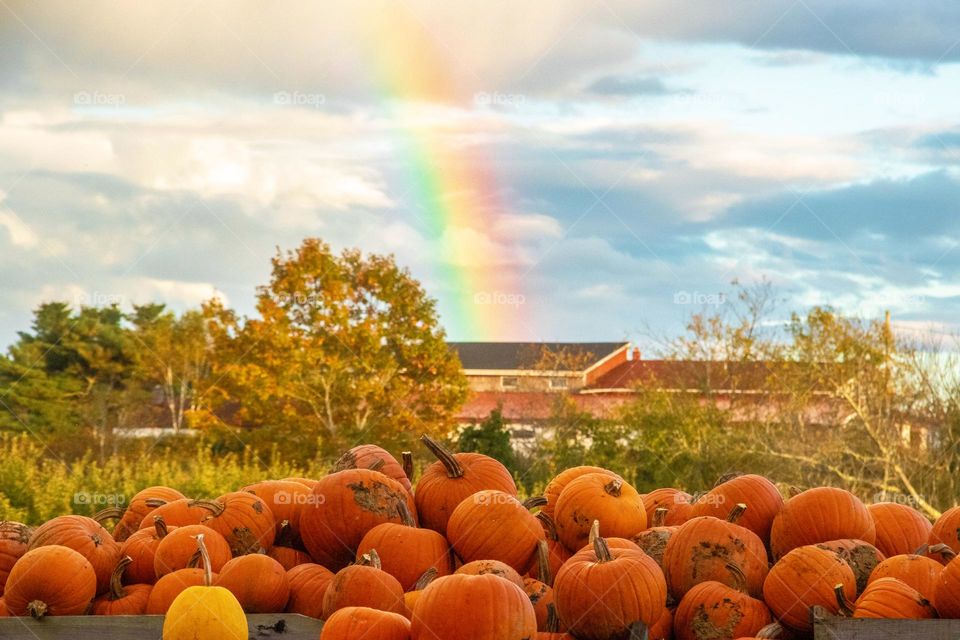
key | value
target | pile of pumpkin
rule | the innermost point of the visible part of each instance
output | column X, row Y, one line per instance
column 460, row 556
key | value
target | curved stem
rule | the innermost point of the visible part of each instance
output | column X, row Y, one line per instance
column 403, row 510
column 533, row 502
column 842, row 601
column 116, row 586
column 424, row 581
column 594, row 532
column 377, row 464
column 943, row 550
column 110, row 513
column 772, row 631
column 660, row 516
column 406, row 461
column 454, row 470
column 602, row 550
column 370, row 559
column 739, row 579
column 205, row 556
column 160, row 526
column 736, row 512
column 213, row 506
column 548, row 524
column 543, row 563
column 613, row 487
column 730, row 475
column 153, row 503
column 553, row 620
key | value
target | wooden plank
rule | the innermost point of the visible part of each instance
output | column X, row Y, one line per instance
column 830, row 627
column 263, row 626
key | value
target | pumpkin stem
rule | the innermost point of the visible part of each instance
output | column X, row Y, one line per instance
column 922, row 550
column 533, row 502
column 370, row 559
column 403, row 510
column 37, row 609
column 729, row 475
column 842, row 601
column 553, row 620
column 116, row 587
column 424, row 581
column 601, row 549
column 613, row 487
column 594, row 532
column 347, row 461
column 153, row 503
column 406, row 461
column 449, row 461
column 736, row 512
column 772, row 631
column 739, row 579
column 638, row 631
column 205, row 556
column 943, row 550
column 793, row 491
column 213, row 506
column 160, row 526
column 377, row 464
column 660, row 516
column 110, row 513
column 548, row 524
column 543, row 563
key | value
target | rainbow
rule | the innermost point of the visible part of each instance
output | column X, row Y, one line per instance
column 452, row 186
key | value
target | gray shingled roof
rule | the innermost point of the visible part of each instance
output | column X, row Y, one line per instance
column 523, row 355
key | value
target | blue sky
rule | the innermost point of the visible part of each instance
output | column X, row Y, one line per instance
column 645, row 153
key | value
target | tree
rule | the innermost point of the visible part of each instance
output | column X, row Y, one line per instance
column 346, row 348
column 491, row 437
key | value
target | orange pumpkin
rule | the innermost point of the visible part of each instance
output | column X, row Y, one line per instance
column 890, row 598
column 917, row 571
column 597, row 496
column 663, row 628
column 86, row 536
column 476, row 606
column 947, row 598
column 352, row 623
column 141, row 546
column 453, row 478
column 601, row 592
column 258, row 582
column 410, row 597
column 818, row 571
column 243, row 519
column 285, row 499
column 946, row 530
column 364, row 584
column 370, row 456
column 345, row 506
column 14, row 542
column 705, row 548
column 714, row 610
column 50, row 580
column 308, row 583
column 761, row 496
column 119, row 600
column 491, row 567
column 310, row 482
column 901, row 529
column 862, row 557
column 556, row 486
column 665, row 498
column 476, row 528
column 176, row 513
column 820, row 515
column 288, row 557
column 405, row 551
column 178, row 549
column 168, row 587
column 138, row 508
column 653, row 541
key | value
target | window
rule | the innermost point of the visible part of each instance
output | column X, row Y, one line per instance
column 558, row 383
column 509, row 382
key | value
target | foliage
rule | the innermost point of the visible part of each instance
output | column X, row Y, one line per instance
column 491, row 437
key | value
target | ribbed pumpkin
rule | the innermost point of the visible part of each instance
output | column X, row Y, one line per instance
column 820, row 515
column 310, row 482
column 946, row 530
column 558, row 553
column 901, row 529
column 345, row 506
column 258, row 582
column 363, row 585
column 493, row 525
column 178, row 549
column 51, row 580
column 176, row 513
column 803, row 578
column 890, row 598
column 288, row 557
column 453, row 478
column 862, row 557
column 243, row 519
column 120, row 600
column 285, row 499
column 138, row 508
column 714, row 610
column 556, row 486
column 370, row 456
column 947, row 598
column 653, row 541
column 490, row 567
column 14, row 541
column 597, row 496
column 681, row 511
column 168, row 587
column 308, row 583
column 356, row 623
column 473, row 606
column 600, row 592
column 917, row 571
column 205, row 611
column 761, row 496
column 666, row 498
column 86, row 536
column 141, row 546
column 4, row 612
column 704, row 548
column 405, row 551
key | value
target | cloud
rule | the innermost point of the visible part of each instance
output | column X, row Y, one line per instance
column 626, row 86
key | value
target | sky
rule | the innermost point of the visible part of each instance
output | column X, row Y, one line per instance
column 573, row 170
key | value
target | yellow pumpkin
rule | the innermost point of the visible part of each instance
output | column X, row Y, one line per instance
column 205, row 611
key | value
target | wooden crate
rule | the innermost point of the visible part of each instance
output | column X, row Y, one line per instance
column 830, row 627
column 263, row 626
